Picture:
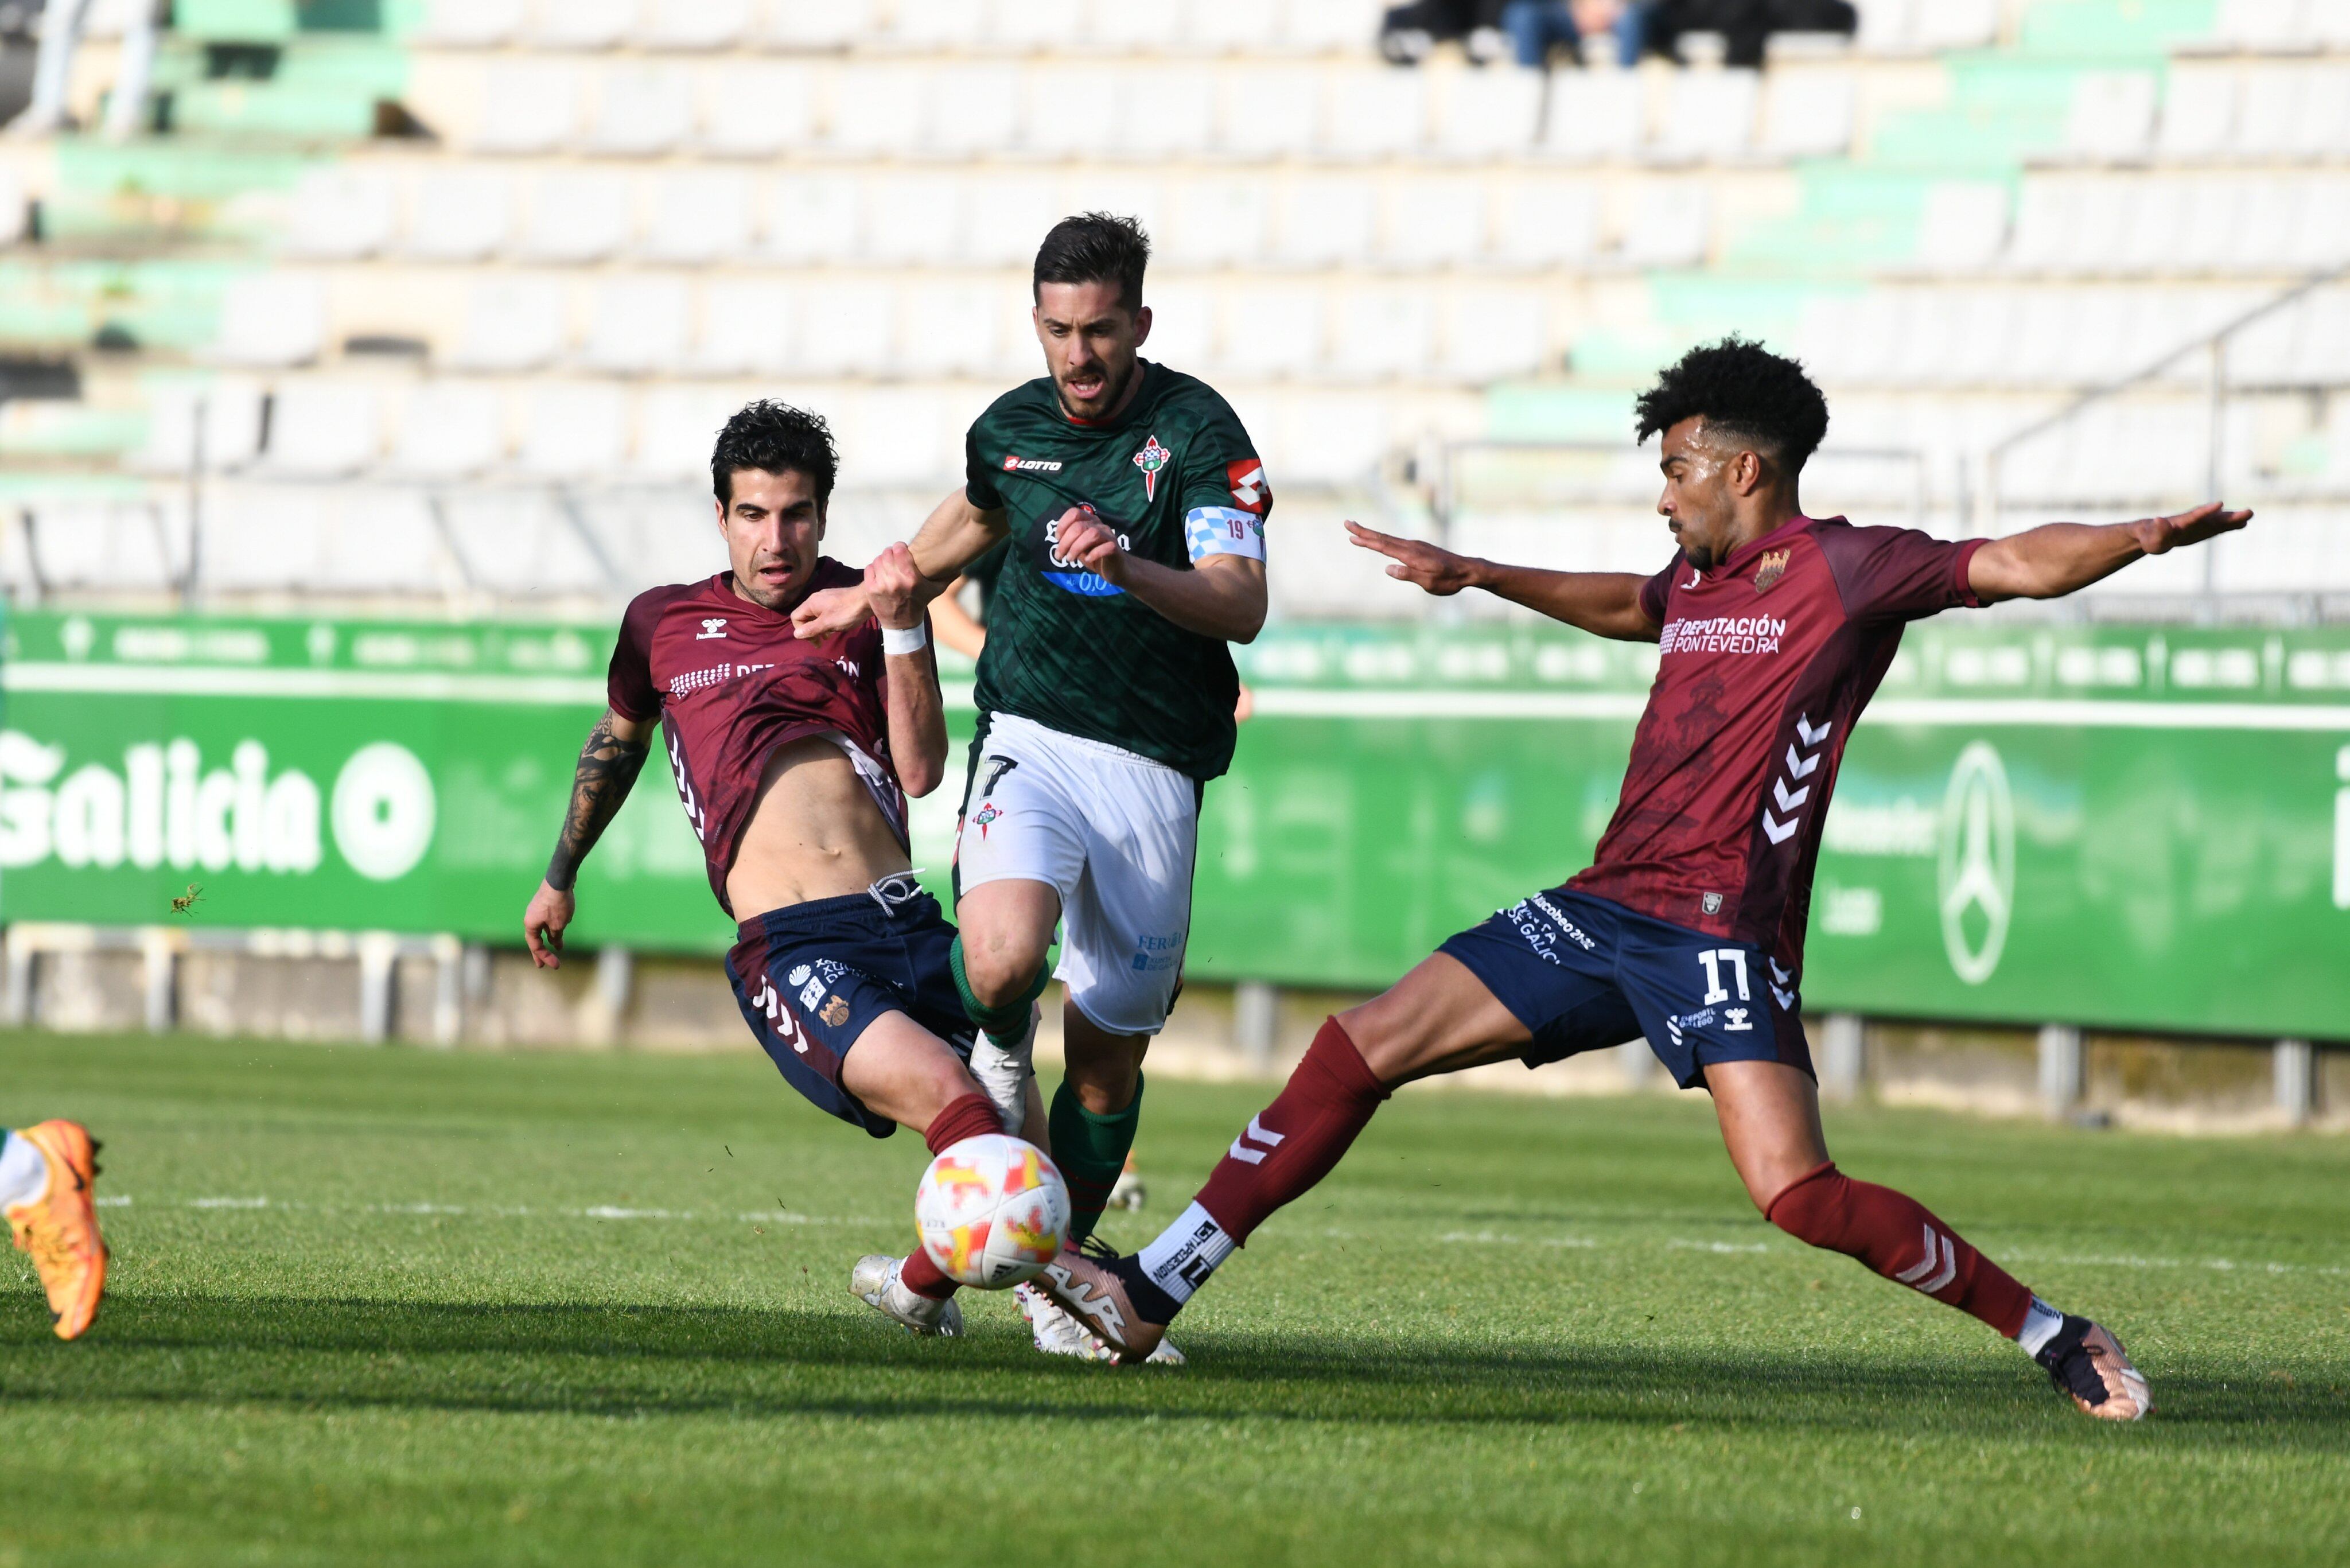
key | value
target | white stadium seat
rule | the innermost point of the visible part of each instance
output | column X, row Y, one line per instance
column 1489, row 333
column 1006, row 219
column 321, row 429
column 1434, row 221
column 1037, row 24
column 1955, row 24
column 343, row 212
column 573, row 430
column 1808, row 114
column 1490, row 114
column 1327, row 219
column 748, row 327
column 1063, row 109
column 914, row 219
column 756, row 110
column 947, row 27
column 1268, row 111
column 1385, row 333
column 271, row 318
column 818, row 24
column 448, row 430
column 459, row 215
column 699, row 215
column 1887, row 26
column 1672, row 225
column 878, row 110
column 527, row 106
column 471, row 23
column 693, row 24
column 849, row 329
column 1325, row 438
column 215, row 425
column 1219, row 220
column 676, row 427
column 1547, row 221
column 812, row 216
column 637, row 325
column 1272, row 331
column 902, row 437
column 643, row 109
column 973, row 109
column 952, row 329
column 1236, row 26
column 1331, row 26
column 576, row 215
column 1375, row 111
column 2261, row 24
column 1182, row 330
column 1127, row 28
column 581, row 24
column 1595, row 115
column 2113, row 115
column 2199, row 112
column 515, row 323
column 1166, row 113
column 1708, row 117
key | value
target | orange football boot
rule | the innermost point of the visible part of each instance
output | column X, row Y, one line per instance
column 60, row 1229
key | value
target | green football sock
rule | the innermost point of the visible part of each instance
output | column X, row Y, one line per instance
column 1091, row 1151
column 1006, row 1024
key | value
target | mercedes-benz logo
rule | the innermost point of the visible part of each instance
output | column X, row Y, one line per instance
column 1976, row 875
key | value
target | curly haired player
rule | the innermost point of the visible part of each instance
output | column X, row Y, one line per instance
column 1774, row 630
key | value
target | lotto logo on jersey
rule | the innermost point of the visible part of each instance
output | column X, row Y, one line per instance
column 1246, row 480
column 1030, row 465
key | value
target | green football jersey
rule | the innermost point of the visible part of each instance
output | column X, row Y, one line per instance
column 1177, row 478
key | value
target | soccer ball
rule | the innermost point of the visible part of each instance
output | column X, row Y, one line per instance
column 992, row 1211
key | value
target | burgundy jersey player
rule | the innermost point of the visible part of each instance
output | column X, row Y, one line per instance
column 793, row 758
column 1773, row 630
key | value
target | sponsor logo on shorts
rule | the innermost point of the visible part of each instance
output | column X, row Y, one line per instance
column 1539, row 937
column 1712, row 902
column 799, row 975
column 1574, row 932
column 1737, row 1024
column 1155, row 954
column 1703, row 1018
column 835, row 1011
column 1030, row 465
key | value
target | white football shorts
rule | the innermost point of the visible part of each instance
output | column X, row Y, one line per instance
column 1115, row 834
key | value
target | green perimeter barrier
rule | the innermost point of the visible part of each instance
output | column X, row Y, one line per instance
column 2117, row 826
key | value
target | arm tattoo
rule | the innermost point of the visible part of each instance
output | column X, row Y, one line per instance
column 608, row 767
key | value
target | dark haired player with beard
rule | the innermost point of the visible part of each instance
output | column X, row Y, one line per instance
column 1134, row 508
column 1775, row 629
column 793, row 759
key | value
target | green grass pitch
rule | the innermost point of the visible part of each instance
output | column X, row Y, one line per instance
column 394, row 1306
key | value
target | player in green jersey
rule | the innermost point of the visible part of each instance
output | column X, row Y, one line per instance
column 1134, row 505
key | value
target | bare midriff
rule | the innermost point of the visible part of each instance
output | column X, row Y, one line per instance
column 816, row 833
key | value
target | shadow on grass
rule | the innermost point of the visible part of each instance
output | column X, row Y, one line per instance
column 606, row 1360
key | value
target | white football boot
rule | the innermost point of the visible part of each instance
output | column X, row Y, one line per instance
column 875, row 1283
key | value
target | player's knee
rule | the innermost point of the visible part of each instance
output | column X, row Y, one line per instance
column 1103, row 1081
column 1000, row 971
column 1814, row 1208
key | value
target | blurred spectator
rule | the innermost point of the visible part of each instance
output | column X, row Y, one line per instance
column 1747, row 25
column 1408, row 34
column 1537, row 26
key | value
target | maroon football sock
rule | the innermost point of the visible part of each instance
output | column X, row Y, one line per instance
column 970, row 1117
column 1292, row 1143
column 1899, row 1238
column 974, row 1116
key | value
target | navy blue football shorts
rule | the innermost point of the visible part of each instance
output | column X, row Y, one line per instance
column 813, row 977
column 1582, row 973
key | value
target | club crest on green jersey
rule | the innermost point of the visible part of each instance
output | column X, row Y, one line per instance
column 1151, row 459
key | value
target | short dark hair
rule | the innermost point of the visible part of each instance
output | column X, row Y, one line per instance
column 1093, row 247
column 772, row 437
column 1745, row 391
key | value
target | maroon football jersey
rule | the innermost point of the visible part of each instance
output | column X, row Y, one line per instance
column 1764, row 665
column 731, row 683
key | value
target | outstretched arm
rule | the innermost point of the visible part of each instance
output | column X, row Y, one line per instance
column 608, row 765
column 1605, row 604
column 918, row 717
column 2060, row 558
column 955, row 535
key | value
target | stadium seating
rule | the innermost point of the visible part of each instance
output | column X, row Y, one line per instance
column 623, row 217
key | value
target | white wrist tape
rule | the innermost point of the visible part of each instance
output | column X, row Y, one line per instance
column 913, row 639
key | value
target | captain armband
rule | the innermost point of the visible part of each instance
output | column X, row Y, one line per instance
column 1223, row 531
